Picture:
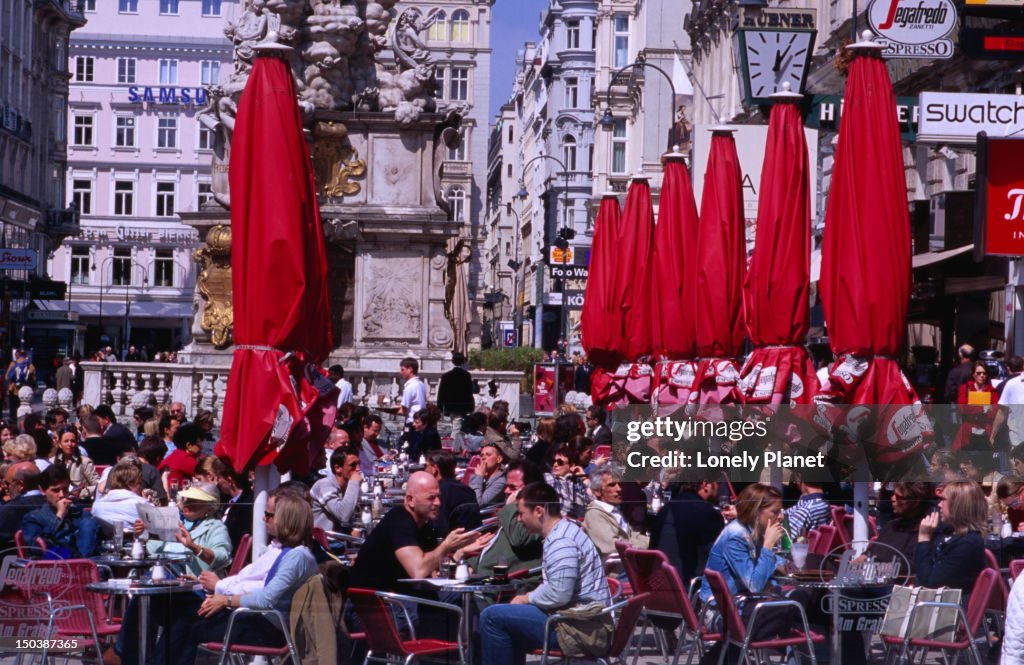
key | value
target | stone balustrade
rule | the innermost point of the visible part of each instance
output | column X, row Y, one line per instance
column 126, row 386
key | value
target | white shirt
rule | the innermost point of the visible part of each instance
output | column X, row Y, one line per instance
column 117, row 505
column 345, row 392
column 1012, row 397
column 414, row 397
column 614, row 512
column 252, row 577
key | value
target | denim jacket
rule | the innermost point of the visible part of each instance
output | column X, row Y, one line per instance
column 746, row 566
column 77, row 531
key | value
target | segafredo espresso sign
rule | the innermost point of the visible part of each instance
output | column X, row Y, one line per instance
column 914, row 28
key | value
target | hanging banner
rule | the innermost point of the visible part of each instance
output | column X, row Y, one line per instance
column 999, row 196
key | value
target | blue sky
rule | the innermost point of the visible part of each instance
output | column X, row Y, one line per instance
column 512, row 23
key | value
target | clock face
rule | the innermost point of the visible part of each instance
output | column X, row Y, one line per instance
column 775, row 56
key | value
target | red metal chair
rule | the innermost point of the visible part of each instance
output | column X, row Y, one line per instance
column 620, row 548
column 382, row 637
column 19, row 544
column 470, row 469
column 843, row 522
column 813, row 536
column 227, row 648
column 614, row 587
column 604, row 451
column 1016, row 566
column 740, row 635
column 826, row 538
column 74, row 610
column 630, row 611
column 984, row 594
column 990, row 560
column 241, row 557
column 320, row 536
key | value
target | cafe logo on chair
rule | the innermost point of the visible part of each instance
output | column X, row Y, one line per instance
column 914, row 28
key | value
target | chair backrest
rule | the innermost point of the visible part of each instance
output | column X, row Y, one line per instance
column 734, row 628
column 839, row 522
column 19, row 544
column 990, row 560
column 320, row 536
column 628, row 617
column 65, row 581
column 669, row 586
column 813, row 537
column 241, row 555
column 381, row 634
column 984, row 595
column 470, row 469
column 644, row 564
column 614, row 587
column 1016, row 566
column 826, row 536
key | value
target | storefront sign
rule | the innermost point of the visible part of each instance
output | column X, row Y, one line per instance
column 48, row 290
column 914, row 28
column 17, row 259
column 958, row 117
column 827, row 110
column 568, row 272
column 167, row 95
column 999, row 209
column 993, row 43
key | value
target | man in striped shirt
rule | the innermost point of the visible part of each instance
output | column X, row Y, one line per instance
column 810, row 511
column 573, row 575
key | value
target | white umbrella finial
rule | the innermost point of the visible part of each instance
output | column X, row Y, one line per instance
column 786, row 94
column 866, row 43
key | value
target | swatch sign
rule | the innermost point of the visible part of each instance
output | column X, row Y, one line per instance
column 914, row 28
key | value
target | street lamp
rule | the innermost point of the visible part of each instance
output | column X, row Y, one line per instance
column 608, row 121
column 515, row 264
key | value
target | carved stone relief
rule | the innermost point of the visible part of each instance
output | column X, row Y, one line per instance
column 392, row 289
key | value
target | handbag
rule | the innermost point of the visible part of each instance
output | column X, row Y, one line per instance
column 932, row 623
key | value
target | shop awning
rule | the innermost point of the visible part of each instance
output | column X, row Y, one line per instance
column 147, row 309
column 930, row 258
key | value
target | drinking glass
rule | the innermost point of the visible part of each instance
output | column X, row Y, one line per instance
column 799, row 555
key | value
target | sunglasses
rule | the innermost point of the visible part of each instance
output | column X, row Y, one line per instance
column 981, row 374
column 561, row 461
column 267, row 515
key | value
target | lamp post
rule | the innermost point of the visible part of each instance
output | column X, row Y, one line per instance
column 127, row 290
column 564, row 235
column 608, row 120
column 516, row 265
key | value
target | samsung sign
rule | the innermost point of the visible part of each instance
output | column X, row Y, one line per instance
column 957, row 117
column 167, row 95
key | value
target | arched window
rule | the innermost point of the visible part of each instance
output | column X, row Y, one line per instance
column 460, row 26
column 457, row 202
column 439, row 29
column 569, row 152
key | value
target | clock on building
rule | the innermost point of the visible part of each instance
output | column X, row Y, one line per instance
column 774, row 47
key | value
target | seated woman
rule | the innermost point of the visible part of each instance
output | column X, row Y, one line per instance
column 423, row 438
column 951, row 552
column 743, row 555
column 911, row 501
column 81, row 470
column 124, row 492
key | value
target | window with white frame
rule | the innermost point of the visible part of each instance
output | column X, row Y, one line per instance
column 124, row 197
column 124, row 131
column 439, row 28
column 126, row 70
column 619, row 146
column 569, row 152
column 204, row 195
column 457, row 203
column 85, row 69
column 163, row 268
column 209, row 72
column 121, row 268
column 460, row 26
column 211, row 7
column 80, row 265
column 168, row 72
column 621, row 40
column 167, row 133
column 206, row 138
column 87, row 5
column 458, row 154
column 165, row 199
column 84, row 129
column 572, row 34
column 572, row 93
column 81, row 195
column 439, row 78
column 458, row 84
column 168, row 6
column 128, row 6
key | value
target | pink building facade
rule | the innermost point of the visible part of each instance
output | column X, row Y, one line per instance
column 137, row 157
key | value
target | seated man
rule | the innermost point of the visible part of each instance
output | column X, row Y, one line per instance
column 458, row 501
column 66, row 528
column 573, row 575
column 810, row 511
column 336, row 497
column 688, row 525
column 24, row 497
column 603, row 520
column 512, row 544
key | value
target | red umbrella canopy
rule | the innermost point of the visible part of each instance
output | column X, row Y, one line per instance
column 633, row 278
column 775, row 291
column 279, row 289
column 721, row 258
column 675, row 244
column 601, row 321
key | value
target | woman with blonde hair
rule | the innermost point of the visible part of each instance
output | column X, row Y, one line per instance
column 124, row 492
column 950, row 546
column 21, row 448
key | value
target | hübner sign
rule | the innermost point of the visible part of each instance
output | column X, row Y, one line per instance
column 957, row 117
column 914, row 28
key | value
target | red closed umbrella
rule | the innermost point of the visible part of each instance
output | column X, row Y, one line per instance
column 278, row 405
column 721, row 262
column 633, row 277
column 601, row 320
column 775, row 292
column 865, row 266
column 675, row 244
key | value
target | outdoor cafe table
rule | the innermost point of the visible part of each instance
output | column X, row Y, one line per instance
column 143, row 590
column 466, row 590
column 835, row 588
column 139, row 564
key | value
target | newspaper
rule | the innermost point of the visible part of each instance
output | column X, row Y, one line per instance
column 161, row 523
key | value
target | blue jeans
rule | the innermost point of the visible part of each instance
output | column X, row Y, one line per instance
column 508, row 632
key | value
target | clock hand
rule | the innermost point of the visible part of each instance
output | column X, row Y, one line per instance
column 778, row 62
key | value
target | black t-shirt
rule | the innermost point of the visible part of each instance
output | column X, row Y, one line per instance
column 377, row 567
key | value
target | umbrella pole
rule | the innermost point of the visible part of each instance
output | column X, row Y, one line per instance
column 860, row 516
column 267, row 477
